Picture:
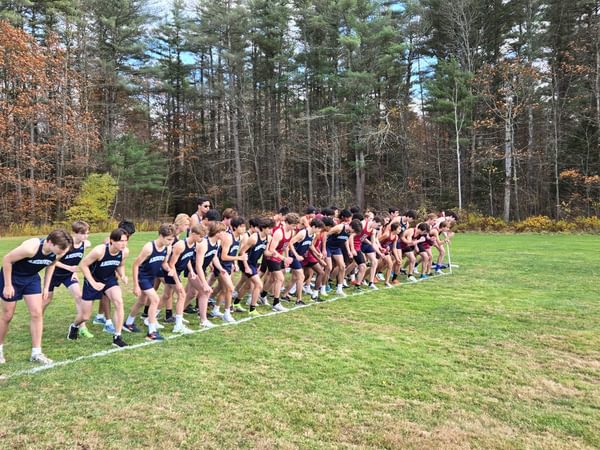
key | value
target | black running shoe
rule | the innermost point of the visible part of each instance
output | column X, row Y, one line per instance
column 170, row 320
column 190, row 310
column 73, row 333
column 300, row 303
column 119, row 342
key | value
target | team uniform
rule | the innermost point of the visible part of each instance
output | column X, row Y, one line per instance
column 103, row 271
column 254, row 255
column 187, row 255
column 151, row 268
column 275, row 263
column 62, row 276
column 233, row 251
column 25, row 274
column 302, row 249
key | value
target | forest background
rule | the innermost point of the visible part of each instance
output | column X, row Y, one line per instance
column 487, row 106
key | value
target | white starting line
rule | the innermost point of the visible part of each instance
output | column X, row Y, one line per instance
column 66, row 362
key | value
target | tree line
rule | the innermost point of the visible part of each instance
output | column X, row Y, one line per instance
column 490, row 106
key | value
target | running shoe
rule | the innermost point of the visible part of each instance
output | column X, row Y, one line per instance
column 380, row 276
column 300, row 303
column 154, row 336
column 190, row 310
column 158, row 325
column 118, row 342
column 253, row 313
column 99, row 320
column 41, row 359
column 227, row 317
column 388, row 285
column 372, row 286
column 279, row 308
column 109, row 328
column 424, row 276
column 133, row 328
column 239, row 308
column 73, row 333
column 412, row 279
column 293, row 290
column 207, row 324
column 216, row 313
column 170, row 320
column 84, row 332
column 182, row 329
column 340, row 293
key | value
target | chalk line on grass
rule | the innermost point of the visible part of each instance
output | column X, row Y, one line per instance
column 38, row 369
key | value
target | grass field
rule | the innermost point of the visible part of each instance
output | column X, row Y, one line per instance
column 505, row 353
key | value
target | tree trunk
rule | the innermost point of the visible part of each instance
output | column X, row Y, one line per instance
column 507, row 160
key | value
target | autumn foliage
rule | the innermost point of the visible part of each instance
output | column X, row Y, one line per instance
column 46, row 136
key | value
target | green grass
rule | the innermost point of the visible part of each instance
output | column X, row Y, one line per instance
column 503, row 354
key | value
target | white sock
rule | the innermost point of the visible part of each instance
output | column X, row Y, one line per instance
column 151, row 328
column 108, row 322
column 100, row 316
column 323, row 291
column 178, row 321
column 216, row 309
column 130, row 320
column 1, row 348
column 36, row 351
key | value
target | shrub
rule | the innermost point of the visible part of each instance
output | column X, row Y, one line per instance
column 96, row 196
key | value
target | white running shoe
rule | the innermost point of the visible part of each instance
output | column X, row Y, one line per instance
column 158, row 325
column 207, row 324
column 263, row 301
column 279, row 308
column 216, row 312
column 293, row 290
column 182, row 330
column 380, row 277
column 227, row 317
column 307, row 289
column 412, row 279
column 41, row 359
column 340, row 292
column 388, row 285
column 372, row 286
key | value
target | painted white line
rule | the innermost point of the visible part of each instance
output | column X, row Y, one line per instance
column 110, row 351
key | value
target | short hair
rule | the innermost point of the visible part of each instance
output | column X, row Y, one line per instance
column 237, row 221
column 358, row 216
column 127, row 226
column 265, row 222
column 118, row 233
column 394, row 226
column 202, row 200
column 310, row 210
column 166, row 230
column 181, row 218
column 328, row 212
column 423, row 227
column 284, row 210
column 411, row 214
column 215, row 228
column 292, row 218
column 328, row 221
column 393, row 209
column 432, row 216
column 355, row 210
column 344, row 214
column 317, row 223
column 212, row 215
column 199, row 229
column 80, row 226
column 254, row 221
column 451, row 214
column 229, row 213
column 356, row 226
column 378, row 219
column 444, row 224
column 61, row 239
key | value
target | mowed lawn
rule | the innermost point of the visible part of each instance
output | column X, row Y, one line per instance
column 505, row 353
